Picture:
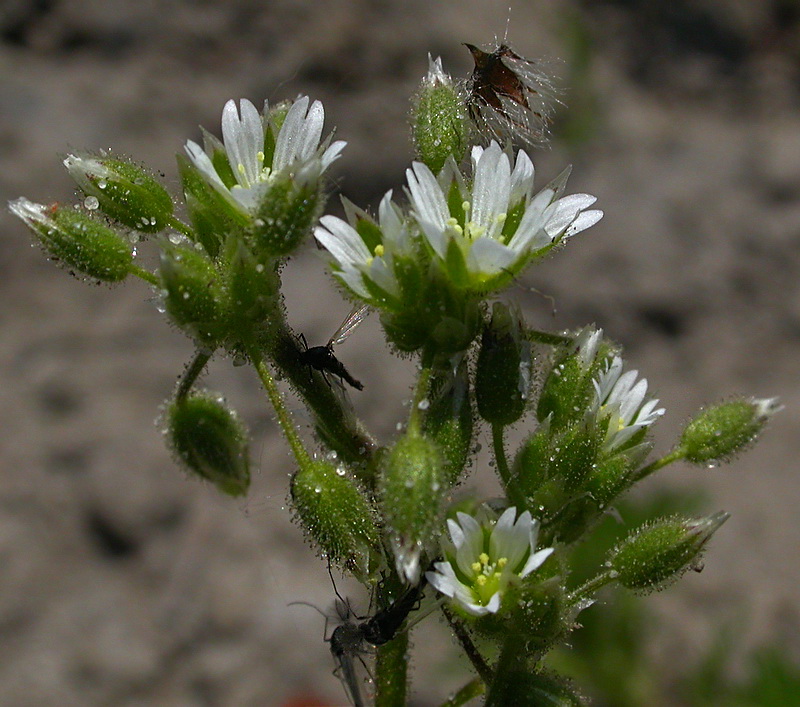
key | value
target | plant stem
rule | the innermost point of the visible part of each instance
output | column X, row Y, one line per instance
column 284, row 419
column 420, row 394
column 145, row 275
column 181, row 227
column 673, row 456
column 473, row 688
column 471, row 651
column 193, row 370
column 391, row 672
column 500, row 453
column 591, row 587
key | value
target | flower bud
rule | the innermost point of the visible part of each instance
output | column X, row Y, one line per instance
column 211, row 214
column 77, row 239
column 449, row 421
column 503, row 374
column 124, row 191
column 719, row 432
column 193, row 295
column 439, row 119
column 284, row 218
column 412, row 489
column 335, row 514
column 210, row 441
column 658, row 553
column 568, row 390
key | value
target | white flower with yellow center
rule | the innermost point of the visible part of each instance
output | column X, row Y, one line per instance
column 484, row 558
column 298, row 152
column 620, row 399
column 499, row 226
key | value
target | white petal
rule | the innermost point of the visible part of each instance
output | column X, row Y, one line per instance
column 565, row 212
column 341, row 240
column 351, row 277
column 522, row 177
column 292, row 136
column 584, row 220
column 511, row 540
column 244, row 140
column 535, row 561
column 491, row 189
column 490, row 257
column 456, row 534
column 332, row 154
column 429, row 202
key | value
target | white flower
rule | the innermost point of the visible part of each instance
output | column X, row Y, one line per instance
column 621, row 400
column 356, row 265
column 298, row 151
column 485, row 558
column 501, row 224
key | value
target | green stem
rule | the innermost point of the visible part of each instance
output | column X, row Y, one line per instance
column 469, row 648
column 145, row 275
column 181, row 227
column 284, row 418
column 192, row 372
column 474, row 688
column 391, row 672
column 500, row 453
column 420, row 394
column 591, row 587
column 645, row 471
column 545, row 337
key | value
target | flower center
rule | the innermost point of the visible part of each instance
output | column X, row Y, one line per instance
column 489, row 576
column 262, row 173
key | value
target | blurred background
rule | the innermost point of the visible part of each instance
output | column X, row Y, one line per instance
column 124, row 583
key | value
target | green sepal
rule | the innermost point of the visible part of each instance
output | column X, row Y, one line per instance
column 78, row 240
column 125, row 191
column 284, row 218
column 336, row 515
column 194, row 297
column 531, row 466
column 456, row 265
column 656, row 554
column 212, row 215
column 210, row 441
column 532, row 689
column 719, row 432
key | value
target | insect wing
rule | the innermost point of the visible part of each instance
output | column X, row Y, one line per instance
column 356, row 316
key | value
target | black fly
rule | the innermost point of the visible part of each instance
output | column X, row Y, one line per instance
column 322, row 357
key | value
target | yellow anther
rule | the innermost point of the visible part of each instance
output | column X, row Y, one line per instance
column 260, row 156
column 501, row 218
column 379, row 250
column 240, row 168
column 476, row 566
column 466, row 206
column 480, row 580
column 502, row 562
column 484, row 558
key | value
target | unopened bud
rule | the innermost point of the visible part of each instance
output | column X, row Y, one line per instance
column 335, row 514
column 412, row 488
column 210, row 441
column 719, row 432
column 193, row 294
column 503, row 376
column 124, row 191
column 439, row 119
column 77, row 239
column 658, row 553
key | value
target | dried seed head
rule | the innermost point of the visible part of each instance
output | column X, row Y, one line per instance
column 510, row 98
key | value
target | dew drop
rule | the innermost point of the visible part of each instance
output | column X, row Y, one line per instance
column 424, row 404
column 91, row 202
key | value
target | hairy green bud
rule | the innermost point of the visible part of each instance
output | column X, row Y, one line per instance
column 193, row 295
column 124, row 191
column 210, row 441
column 503, row 376
column 721, row 431
column 335, row 514
column 77, row 239
column 439, row 119
column 658, row 553
column 413, row 485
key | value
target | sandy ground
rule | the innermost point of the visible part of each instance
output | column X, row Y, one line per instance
column 122, row 582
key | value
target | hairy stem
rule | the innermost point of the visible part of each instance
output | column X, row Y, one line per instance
column 391, row 672
column 471, row 651
column 192, row 372
column 145, row 275
column 474, row 688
